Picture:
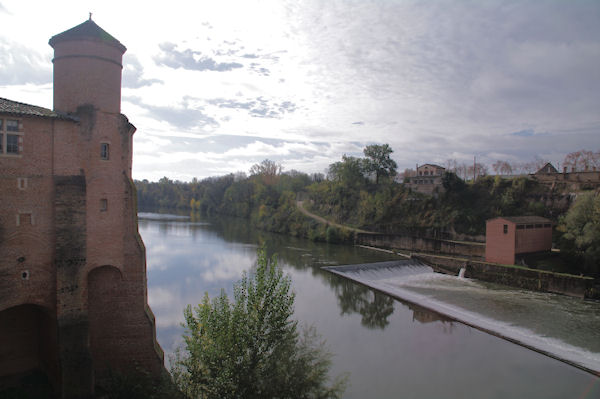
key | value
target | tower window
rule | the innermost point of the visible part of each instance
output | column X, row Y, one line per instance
column 104, row 151
column 103, row 205
column 505, row 229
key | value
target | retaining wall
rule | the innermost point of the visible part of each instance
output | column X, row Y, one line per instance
column 516, row 276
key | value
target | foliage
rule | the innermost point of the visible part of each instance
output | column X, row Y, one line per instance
column 378, row 161
column 581, row 232
column 251, row 347
column 348, row 197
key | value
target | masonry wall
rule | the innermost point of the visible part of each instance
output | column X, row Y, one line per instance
column 500, row 246
column 421, row 244
column 535, row 239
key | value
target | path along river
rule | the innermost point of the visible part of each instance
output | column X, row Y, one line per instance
column 389, row 348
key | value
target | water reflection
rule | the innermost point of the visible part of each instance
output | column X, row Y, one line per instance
column 391, row 349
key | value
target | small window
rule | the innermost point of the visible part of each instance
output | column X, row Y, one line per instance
column 103, row 205
column 547, row 225
column 538, row 226
column 22, row 183
column 12, row 143
column 505, row 227
column 520, row 226
column 12, row 125
column 104, row 151
column 529, row 226
column 24, row 219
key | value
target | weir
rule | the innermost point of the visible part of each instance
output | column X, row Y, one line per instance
column 560, row 327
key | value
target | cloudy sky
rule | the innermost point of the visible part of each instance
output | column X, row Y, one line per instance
column 215, row 86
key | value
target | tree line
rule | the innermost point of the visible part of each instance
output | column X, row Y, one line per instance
column 359, row 192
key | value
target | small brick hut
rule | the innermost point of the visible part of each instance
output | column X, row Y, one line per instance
column 510, row 236
column 73, row 295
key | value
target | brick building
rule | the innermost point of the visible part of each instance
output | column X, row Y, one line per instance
column 428, row 179
column 511, row 236
column 73, row 295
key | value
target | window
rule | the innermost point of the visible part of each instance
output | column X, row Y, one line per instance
column 505, row 229
column 10, row 138
column 547, row 225
column 24, row 219
column 21, row 183
column 103, row 205
column 520, row 226
column 538, row 226
column 104, row 151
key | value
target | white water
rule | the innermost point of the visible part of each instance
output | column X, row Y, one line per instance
column 564, row 328
column 461, row 273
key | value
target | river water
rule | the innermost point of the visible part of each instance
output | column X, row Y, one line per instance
column 389, row 349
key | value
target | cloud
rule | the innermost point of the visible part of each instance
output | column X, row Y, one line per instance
column 524, row 133
column 191, row 60
column 133, row 72
column 186, row 115
column 258, row 107
column 22, row 65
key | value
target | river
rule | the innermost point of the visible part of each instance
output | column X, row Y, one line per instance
column 388, row 348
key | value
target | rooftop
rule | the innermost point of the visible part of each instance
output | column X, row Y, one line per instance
column 87, row 30
column 21, row 109
column 525, row 219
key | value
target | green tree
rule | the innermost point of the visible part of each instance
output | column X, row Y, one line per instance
column 251, row 347
column 378, row 161
column 581, row 228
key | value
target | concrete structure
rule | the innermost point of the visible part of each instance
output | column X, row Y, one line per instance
column 73, row 300
column 508, row 237
column 428, row 179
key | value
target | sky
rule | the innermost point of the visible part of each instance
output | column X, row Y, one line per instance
column 215, row 86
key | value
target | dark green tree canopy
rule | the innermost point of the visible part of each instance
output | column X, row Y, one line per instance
column 378, row 161
column 581, row 228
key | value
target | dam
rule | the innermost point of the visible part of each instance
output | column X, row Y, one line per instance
column 558, row 326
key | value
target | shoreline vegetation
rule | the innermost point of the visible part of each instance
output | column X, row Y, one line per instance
column 360, row 195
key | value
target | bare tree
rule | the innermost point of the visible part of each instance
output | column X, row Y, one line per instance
column 502, row 167
column 268, row 170
column 582, row 160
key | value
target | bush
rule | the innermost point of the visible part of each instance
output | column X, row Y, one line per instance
column 251, row 348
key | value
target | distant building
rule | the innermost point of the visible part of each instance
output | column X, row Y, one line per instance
column 428, row 179
column 73, row 294
column 510, row 236
column 547, row 169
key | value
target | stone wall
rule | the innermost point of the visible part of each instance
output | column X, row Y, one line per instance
column 420, row 244
column 514, row 276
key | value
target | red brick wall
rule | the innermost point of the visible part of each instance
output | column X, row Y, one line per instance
column 500, row 246
column 533, row 240
column 87, row 72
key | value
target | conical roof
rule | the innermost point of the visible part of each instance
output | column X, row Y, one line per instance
column 87, row 30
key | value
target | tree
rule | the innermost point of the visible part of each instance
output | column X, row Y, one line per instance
column 349, row 170
column 251, row 348
column 581, row 228
column 502, row 167
column 379, row 162
column 268, row 170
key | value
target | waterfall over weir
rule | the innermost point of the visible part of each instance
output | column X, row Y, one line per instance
column 558, row 326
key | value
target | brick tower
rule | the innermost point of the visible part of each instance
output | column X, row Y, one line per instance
column 72, row 266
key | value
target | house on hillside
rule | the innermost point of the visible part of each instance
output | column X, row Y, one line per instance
column 547, row 169
column 428, row 179
column 507, row 237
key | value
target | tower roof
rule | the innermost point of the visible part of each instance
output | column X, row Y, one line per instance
column 87, row 30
